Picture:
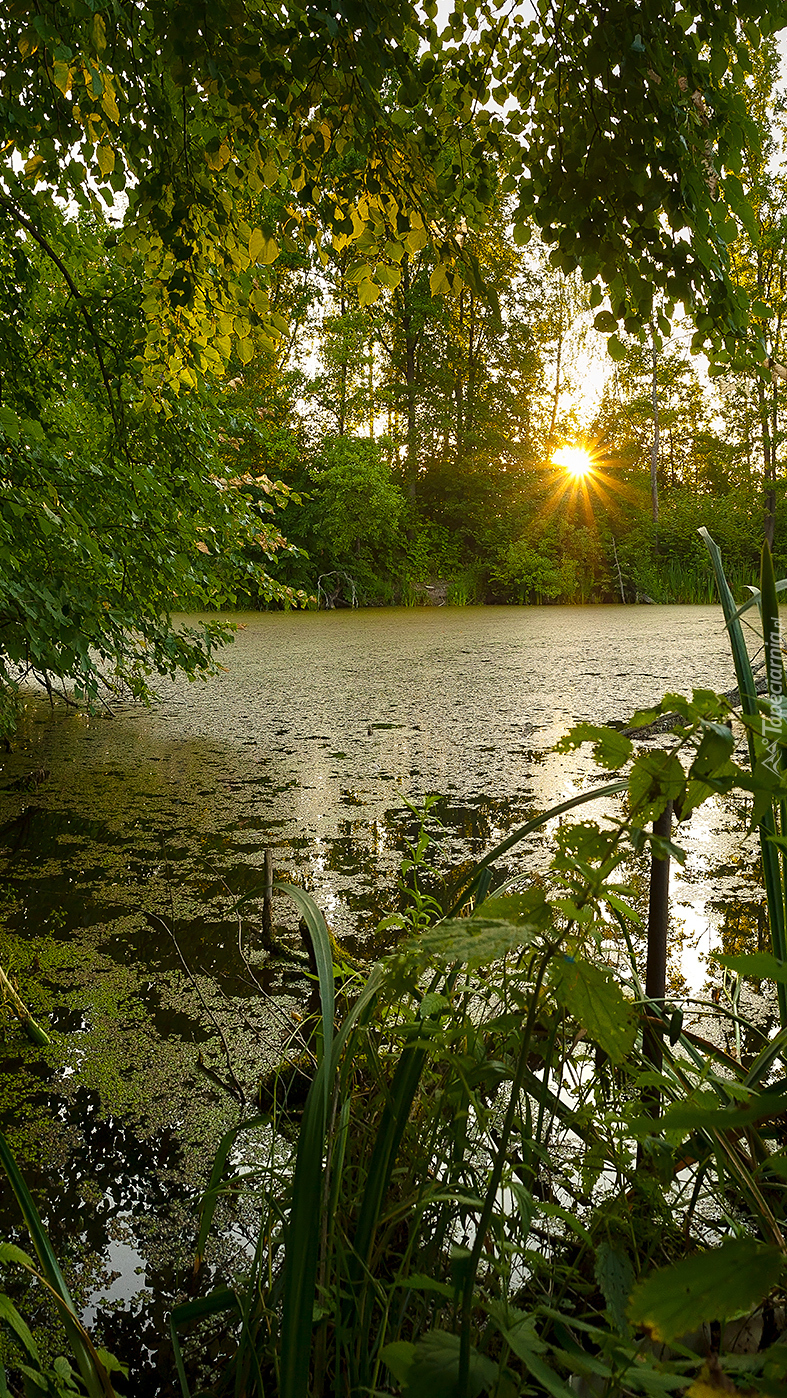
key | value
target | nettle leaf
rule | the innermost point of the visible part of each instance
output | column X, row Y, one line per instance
column 760, row 965
column 615, row 1276
column 475, row 941
column 594, row 999
column 715, row 1285
column 682, row 1116
column 433, row 1370
column 714, row 751
column 398, row 1357
column 518, row 909
column 9, row 1252
column 611, row 749
column 655, row 779
column 519, row 1331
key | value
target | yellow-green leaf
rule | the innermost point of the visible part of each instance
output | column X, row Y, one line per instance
column 106, row 159
column 217, row 159
column 368, row 292
column 611, row 748
column 99, row 33
column 28, row 43
column 108, row 101
column 596, row 1002
column 268, row 252
column 655, row 778
column 438, row 281
column 714, row 1285
column 245, row 351
column 389, row 276
column 256, row 243
column 61, row 74
column 416, row 240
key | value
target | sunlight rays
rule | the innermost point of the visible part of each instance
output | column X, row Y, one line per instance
column 578, row 480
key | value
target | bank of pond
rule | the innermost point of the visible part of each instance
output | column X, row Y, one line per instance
column 372, row 1149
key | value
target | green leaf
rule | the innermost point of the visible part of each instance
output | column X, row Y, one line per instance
column 398, row 1357
column 10, row 1316
column 691, row 1115
column 716, row 1285
column 760, row 965
column 595, row 1001
column 434, row 1368
column 655, row 779
column 611, row 749
column 519, row 1331
column 616, row 349
column 715, row 749
column 615, row 1276
column 516, row 909
column 475, row 941
column 9, row 423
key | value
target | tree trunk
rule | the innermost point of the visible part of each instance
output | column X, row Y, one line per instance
column 410, row 347
column 654, row 451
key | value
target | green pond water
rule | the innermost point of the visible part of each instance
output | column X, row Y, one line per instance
column 126, row 843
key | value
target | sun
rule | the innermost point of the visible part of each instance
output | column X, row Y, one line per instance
column 576, row 461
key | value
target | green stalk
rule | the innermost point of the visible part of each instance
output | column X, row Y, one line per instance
column 771, row 635
column 94, row 1375
column 767, row 829
column 495, row 1179
column 303, row 1229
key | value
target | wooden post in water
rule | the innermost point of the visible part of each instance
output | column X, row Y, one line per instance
column 267, row 901
column 656, row 969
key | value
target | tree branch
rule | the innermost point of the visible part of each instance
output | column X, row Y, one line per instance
column 46, row 247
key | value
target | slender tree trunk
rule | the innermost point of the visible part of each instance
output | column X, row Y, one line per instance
column 410, row 349
column 769, row 496
column 459, row 387
column 654, row 451
column 556, row 394
column 371, row 390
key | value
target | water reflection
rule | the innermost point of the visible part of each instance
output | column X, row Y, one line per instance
column 132, row 851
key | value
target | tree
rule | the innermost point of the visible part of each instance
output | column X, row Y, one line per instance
column 103, row 533
column 760, row 266
column 619, row 136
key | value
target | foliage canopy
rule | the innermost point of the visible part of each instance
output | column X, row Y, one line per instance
column 222, row 137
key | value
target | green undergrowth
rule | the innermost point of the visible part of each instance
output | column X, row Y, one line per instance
column 514, row 1172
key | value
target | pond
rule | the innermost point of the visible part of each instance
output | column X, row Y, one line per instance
column 132, row 847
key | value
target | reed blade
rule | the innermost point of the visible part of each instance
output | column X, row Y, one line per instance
column 304, row 1226
column 521, row 833
column 772, row 640
column 743, row 673
column 92, row 1371
column 323, row 955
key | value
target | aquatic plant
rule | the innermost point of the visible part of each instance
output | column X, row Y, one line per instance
column 485, row 1195
column 765, row 734
column 495, row 1185
column 94, row 1366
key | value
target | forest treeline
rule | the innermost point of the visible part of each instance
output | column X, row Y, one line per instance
column 418, row 431
column 297, row 311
